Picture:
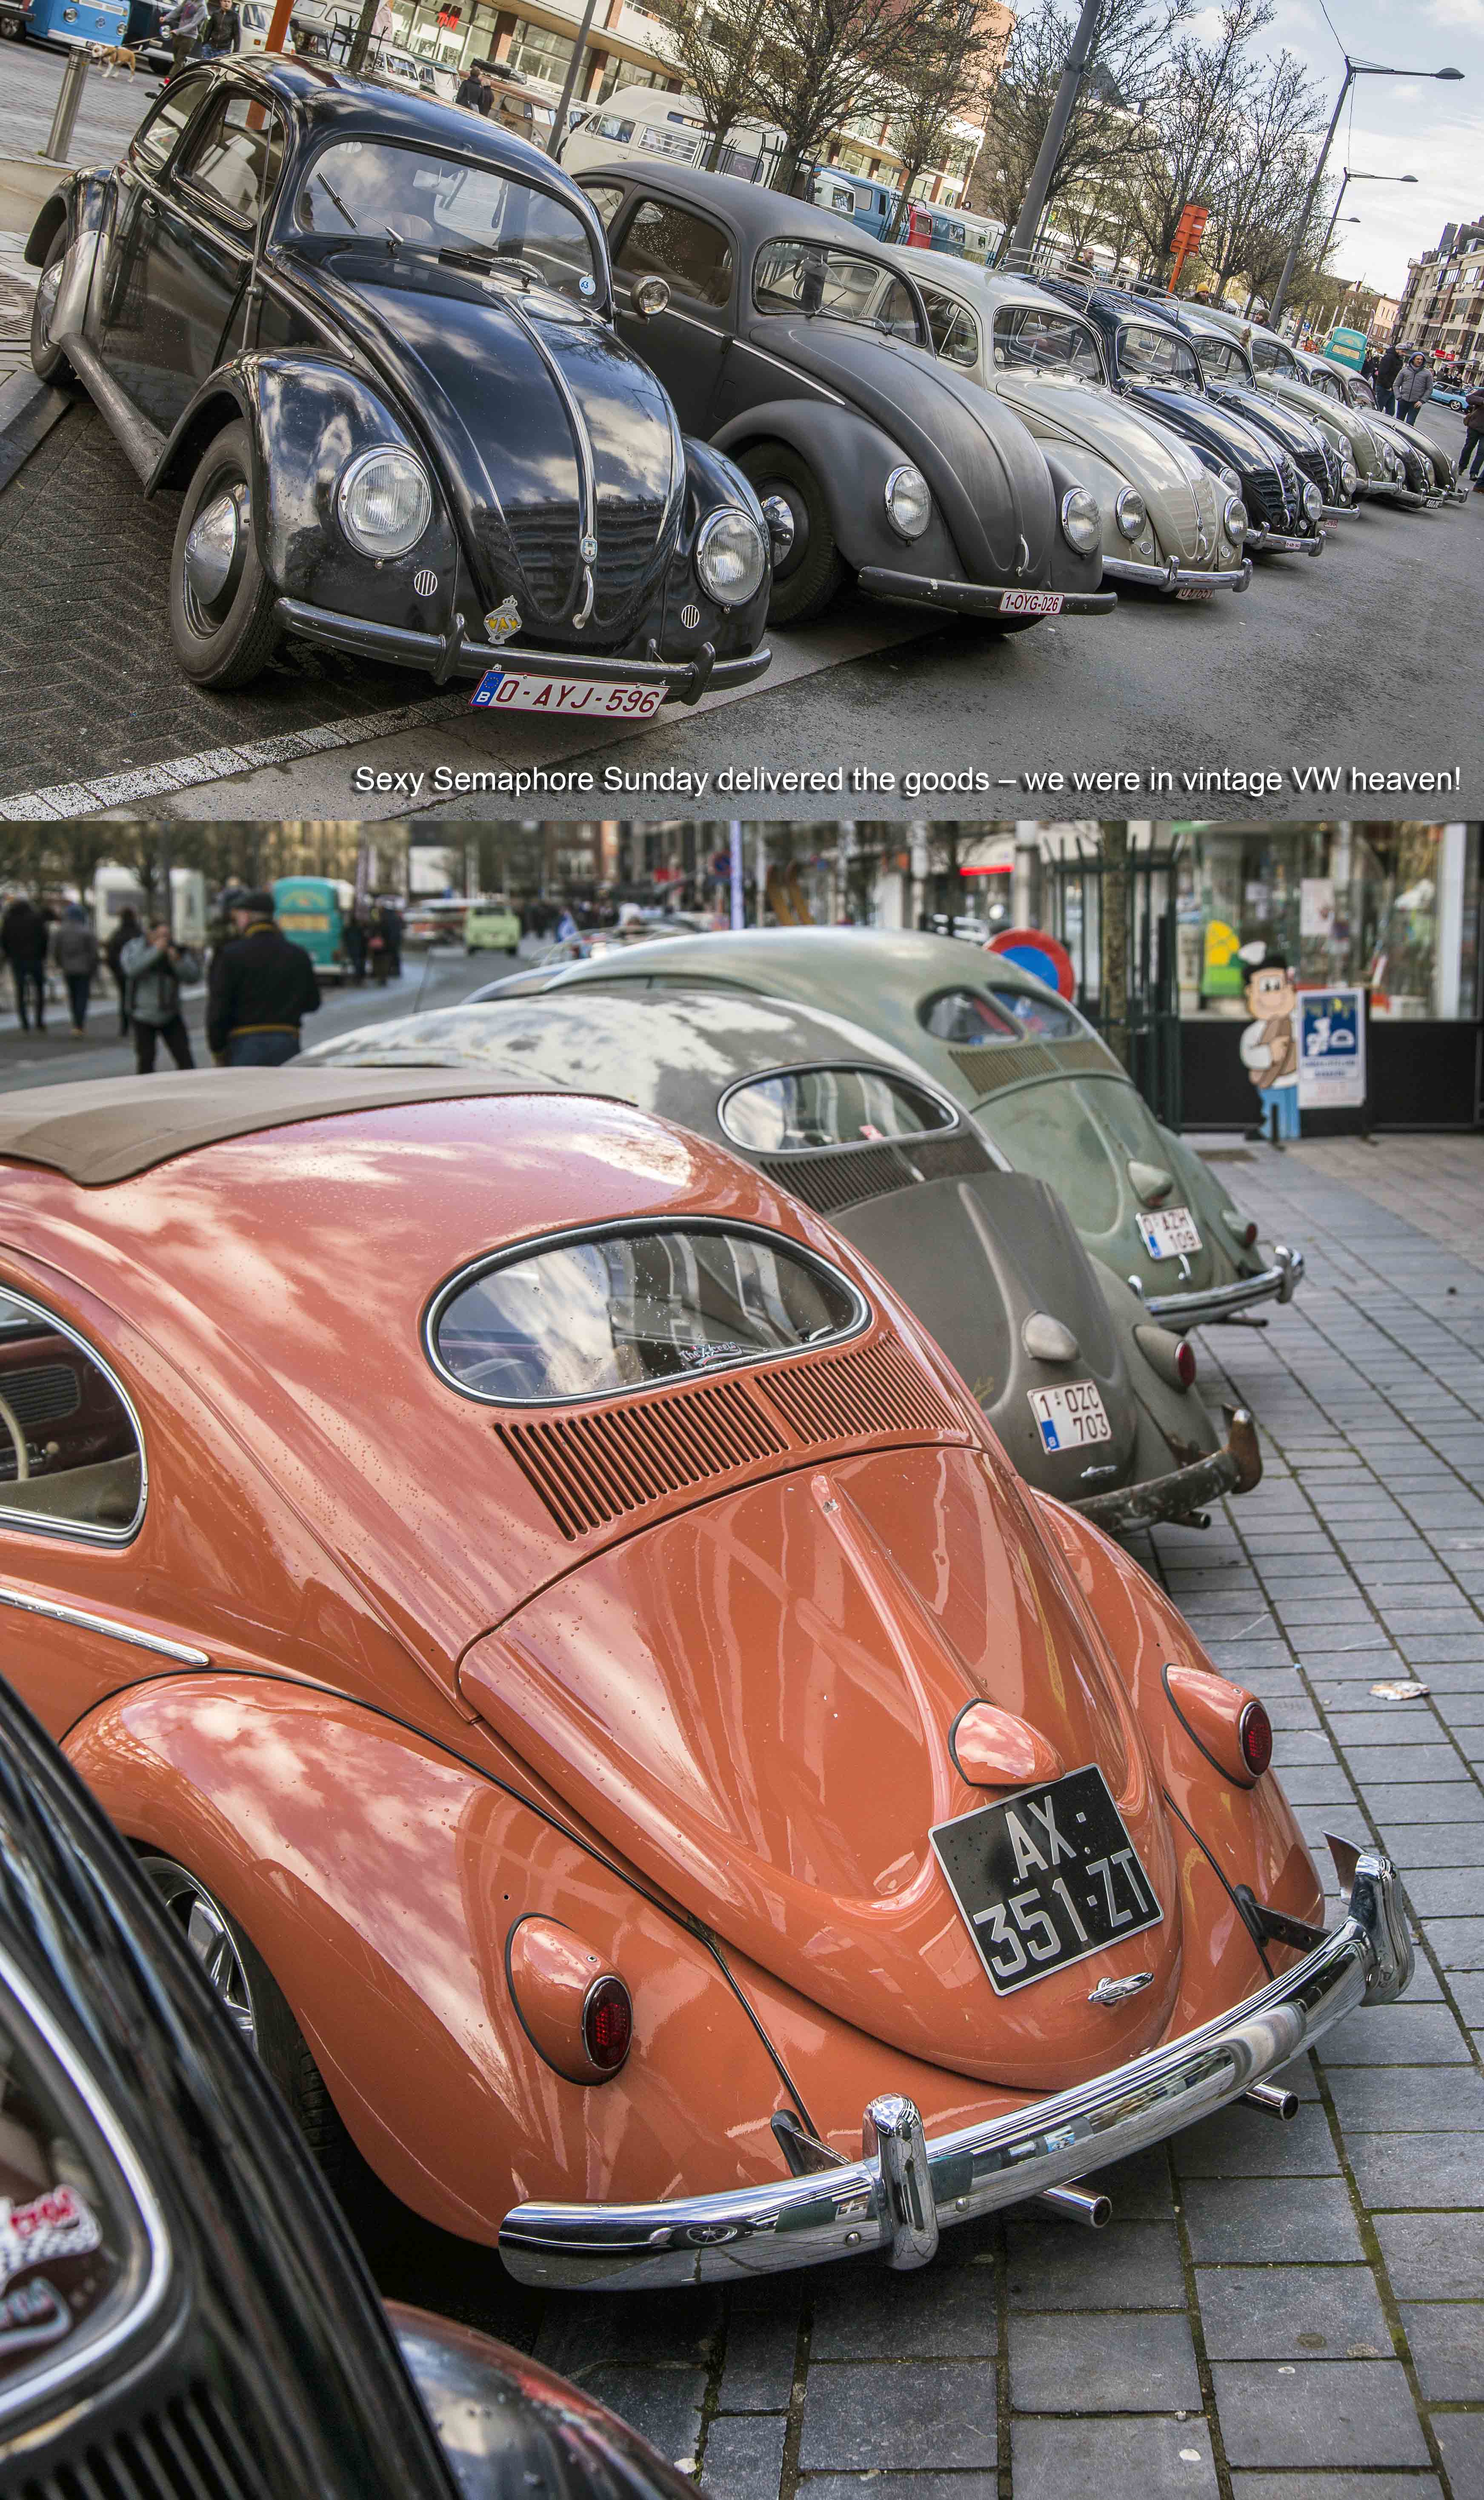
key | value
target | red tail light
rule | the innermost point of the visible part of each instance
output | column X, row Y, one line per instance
column 1231, row 1726
column 608, row 2024
column 1253, row 1734
column 1248, row 1236
column 1185, row 1364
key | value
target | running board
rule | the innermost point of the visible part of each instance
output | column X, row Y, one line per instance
column 141, row 443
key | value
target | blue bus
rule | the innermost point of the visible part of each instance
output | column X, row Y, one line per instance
column 65, row 21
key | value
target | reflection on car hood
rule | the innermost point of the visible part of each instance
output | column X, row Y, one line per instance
column 473, row 362
column 753, row 1701
column 1178, row 490
column 987, row 477
column 1331, row 414
column 1202, row 420
column 1294, row 431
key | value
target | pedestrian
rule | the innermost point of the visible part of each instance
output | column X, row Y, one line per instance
column 75, row 953
column 1413, row 385
column 355, row 947
column 392, row 924
column 261, row 987
column 154, row 968
column 217, row 35
column 1387, row 370
column 468, row 90
column 185, row 24
column 377, row 947
column 112, row 955
column 24, row 932
column 1472, row 465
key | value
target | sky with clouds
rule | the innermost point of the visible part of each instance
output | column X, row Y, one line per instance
column 1397, row 125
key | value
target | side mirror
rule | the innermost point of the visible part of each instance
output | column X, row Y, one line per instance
column 651, row 296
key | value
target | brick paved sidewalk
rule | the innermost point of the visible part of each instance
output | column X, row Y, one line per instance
column 1274, row 2313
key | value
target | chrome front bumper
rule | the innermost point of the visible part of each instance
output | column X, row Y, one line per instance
column 1275, row 542
column 971, row 597
column 1174, row 576
column 908, row 2186
column 1387, row 488
column 1279, row 1282
column 455, row 654
column 1234, row 1470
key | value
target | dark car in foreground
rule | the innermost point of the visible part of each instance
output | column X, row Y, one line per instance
column 370, row 338
column 808, row 357
column 184, row 2314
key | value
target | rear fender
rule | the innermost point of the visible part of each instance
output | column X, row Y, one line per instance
column 853, row 460
column 1251, row 1834
column 380, row 1878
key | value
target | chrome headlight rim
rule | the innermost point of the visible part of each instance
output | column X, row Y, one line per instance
column 745, row 584
column 1081, row 521
column 908, row 500
column 383, row 546
column 1131, row 512
column 1313, row 501
column 1234, row 519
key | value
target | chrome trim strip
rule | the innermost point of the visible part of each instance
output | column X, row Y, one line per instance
column 1281, row 1280
column 898, row 2203
column 792, row 372
column 76, row 1533
column 105, row 1624
column 587, row 491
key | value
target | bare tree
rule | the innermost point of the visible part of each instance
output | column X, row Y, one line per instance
column 1126, row 58
column 943, row 78
column 1191, row 117
column 714, row 44
column 1265, row 166
column 823, row 63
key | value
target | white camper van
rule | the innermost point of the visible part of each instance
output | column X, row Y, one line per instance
column 646, row 122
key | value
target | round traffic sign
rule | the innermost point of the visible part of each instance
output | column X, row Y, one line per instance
column 1039, row 954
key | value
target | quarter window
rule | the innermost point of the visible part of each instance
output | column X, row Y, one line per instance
column 70, row 1452
column 966, row 1019
column 236, row 159
column 828, row 1107
column 590, row 1316
column 955, row 331
column 665, row 241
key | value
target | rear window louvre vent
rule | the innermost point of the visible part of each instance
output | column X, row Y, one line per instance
column 1083, row 1057
column 595, row 1468
column 44, row 1394
column 873, row 1388
column 829, row 1181
column 1004, row 1063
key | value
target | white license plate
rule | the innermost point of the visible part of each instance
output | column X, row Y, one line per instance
column 1197, row 590
column 1070, row 1418
column 517, row 690
column 1031, row 603
column 1169, row 1233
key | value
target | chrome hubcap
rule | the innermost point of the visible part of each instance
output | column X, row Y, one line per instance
column 211, row 547
column 204, row 1927
column 777, row 512
column 49, row 284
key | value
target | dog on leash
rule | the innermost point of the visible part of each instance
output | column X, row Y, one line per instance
column 115, row 58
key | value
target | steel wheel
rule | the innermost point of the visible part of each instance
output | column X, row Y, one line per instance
column 207, row 1932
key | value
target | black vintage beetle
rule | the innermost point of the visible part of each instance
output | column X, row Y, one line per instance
column 370, row 335
column 768, row 323
column 1151, row 364
column 1229, row 380
column 184, row 2314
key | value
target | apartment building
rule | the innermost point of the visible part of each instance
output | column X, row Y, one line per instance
column 1443, row 303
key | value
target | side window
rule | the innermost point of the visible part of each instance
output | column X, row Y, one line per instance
column 1265, row 355
column 606, row 198
column 70, row 1454
column 235, row 157
column 671, row 242
column 955, row 331
column 155, row 139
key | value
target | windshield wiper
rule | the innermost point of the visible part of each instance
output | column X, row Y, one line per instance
column 493, row 260
column 326, row 186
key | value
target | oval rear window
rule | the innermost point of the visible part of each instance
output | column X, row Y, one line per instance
column 801, row 1107
column 966, row 1019
column 596, row 1314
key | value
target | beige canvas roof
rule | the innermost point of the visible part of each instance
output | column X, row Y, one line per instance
column 108, row 1129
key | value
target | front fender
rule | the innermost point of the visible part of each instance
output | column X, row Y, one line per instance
column 852, row 459
column 380, row 1877
column 711, row 479
column 1068, row 570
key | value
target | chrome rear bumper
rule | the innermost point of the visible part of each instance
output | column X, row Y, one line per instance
column 908, row 2186
column 1279, row 1282
column 1235, row 1469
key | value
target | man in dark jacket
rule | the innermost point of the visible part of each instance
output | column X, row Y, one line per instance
column 1387, row 370
column 1472, row 462
column 125, row 934
column 261, row 985
column 24, row 936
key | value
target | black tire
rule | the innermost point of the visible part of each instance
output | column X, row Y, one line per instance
column 228, row 638
column 812, row 572
column 48, row 363
column 259, row 2010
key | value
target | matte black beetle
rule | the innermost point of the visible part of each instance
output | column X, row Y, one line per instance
column 370, row 335
column 789, row 340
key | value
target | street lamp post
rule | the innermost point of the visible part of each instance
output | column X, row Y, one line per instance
column 1353, row 70
column 1027, row 225
column 1345, row 180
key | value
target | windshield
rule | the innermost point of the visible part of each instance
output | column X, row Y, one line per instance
column 1152, row 356
column 1224, row 357
column 813, row 277
column 370, row 188
column 1326, row 382
column 828, row 1107
column 1047, row 343
column 621, row 1310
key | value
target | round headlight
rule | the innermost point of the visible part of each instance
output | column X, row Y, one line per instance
column 908, row 501
column 1234, row 520
column 1129, row 512
column 1081, row 520
column 1314, row 502
column 384, row 500
column 731, row 558
column 1350, row 476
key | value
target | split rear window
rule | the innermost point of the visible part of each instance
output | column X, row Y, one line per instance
column 593, row 1315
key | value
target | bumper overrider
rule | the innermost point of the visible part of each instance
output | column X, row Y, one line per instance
column 455, row 655
column 1235, row 1469
column 907, row 2186
column 1180, row 576
column 978, row 598
column 1390, row 490
column 1277, row 1283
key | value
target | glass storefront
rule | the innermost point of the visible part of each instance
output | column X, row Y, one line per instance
column 537, row 52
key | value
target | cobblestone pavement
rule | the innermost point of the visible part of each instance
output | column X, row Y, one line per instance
column 1274, row 2312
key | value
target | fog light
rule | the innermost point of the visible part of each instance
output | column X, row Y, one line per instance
column 608, row 2017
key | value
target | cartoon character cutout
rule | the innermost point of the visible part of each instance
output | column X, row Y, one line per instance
column 1270, row 1046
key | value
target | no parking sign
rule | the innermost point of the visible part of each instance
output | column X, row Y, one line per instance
column 1332, row 1049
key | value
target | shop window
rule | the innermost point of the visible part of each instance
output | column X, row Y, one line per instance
column 536, row 53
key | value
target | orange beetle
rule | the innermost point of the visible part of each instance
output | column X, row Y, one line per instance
column 575, row 1659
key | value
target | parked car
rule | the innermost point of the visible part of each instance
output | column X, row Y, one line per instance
column 1417, row 485
column 1168, row 524
column 491, row 927
column 1431, row 470
column 866, row 203
column 431, row 421
column 595, row 1683
column 1450, row 395
column 1093, row 1402
column 1229, row 376
column 1151, row 364
column 184, row 2311
column 794, row 348
column 1284, row 372
column 1047, row 1093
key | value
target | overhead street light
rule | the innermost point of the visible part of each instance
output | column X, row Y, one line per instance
column 1345, row 180
column 1353, row 70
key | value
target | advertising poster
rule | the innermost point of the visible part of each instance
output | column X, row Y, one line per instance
column 1332, row 1049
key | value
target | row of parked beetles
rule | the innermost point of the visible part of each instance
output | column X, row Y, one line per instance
column 431, row 400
